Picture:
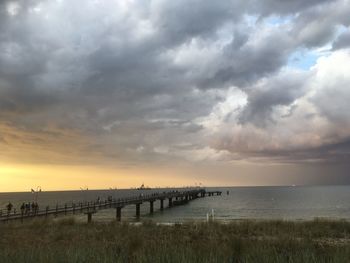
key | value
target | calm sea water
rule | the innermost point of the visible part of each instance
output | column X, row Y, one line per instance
column 295, row 203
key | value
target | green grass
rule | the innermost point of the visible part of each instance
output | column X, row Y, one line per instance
column 241, row 241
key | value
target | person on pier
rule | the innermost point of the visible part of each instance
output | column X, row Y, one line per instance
column 9, row 208
column 27, row 208
column 36, row 209
column 23, row 207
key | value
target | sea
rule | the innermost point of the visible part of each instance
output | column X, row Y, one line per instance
column 235, row 203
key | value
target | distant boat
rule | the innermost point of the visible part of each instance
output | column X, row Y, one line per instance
column 143, row 187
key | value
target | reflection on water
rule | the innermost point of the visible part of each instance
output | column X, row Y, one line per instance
column 242, row 202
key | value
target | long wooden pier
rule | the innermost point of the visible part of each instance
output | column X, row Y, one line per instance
column 173, row 198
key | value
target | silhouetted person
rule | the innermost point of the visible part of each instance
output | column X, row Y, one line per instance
column 33, row 207
column 9, row 208
column 23, row 207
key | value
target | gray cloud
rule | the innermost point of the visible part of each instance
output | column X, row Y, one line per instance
column 281, row 7
column 343, row 41
column 182, row 20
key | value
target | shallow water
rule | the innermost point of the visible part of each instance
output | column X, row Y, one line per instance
column 295, row 203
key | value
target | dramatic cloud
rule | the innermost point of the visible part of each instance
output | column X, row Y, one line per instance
column 304, row 118
column 152, row 82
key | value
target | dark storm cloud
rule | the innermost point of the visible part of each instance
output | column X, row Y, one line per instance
column 338, row 153
column 138, row 78
column 251, row 61
column 278, row 91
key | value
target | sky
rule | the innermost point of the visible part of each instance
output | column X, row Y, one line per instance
column 116, row 93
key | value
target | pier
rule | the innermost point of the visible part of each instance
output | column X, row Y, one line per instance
column 172, row 198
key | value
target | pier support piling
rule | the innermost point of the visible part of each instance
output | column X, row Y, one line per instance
column 151, row 207
column 161, row 204
column 170, row 202
column 89, row 215
column 138, row 210
column 119, row 213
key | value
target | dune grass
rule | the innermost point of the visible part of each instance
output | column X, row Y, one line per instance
column 241, row 241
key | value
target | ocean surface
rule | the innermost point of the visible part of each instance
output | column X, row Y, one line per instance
column 291, row 203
